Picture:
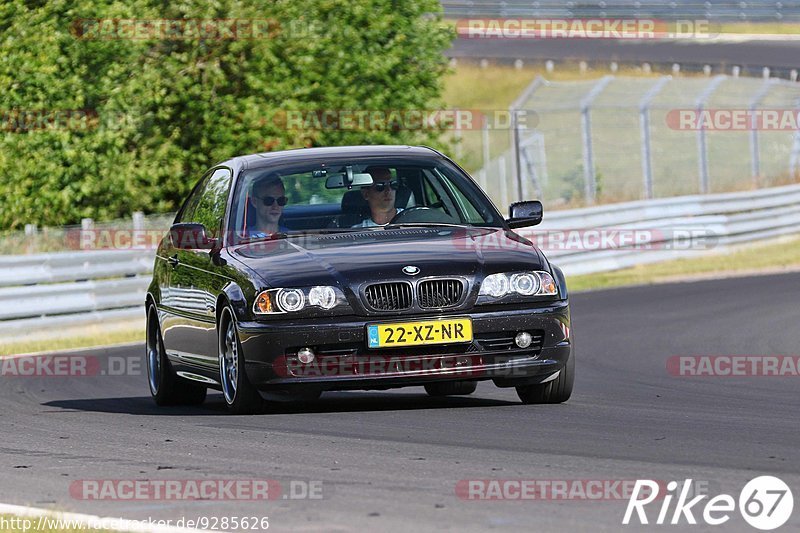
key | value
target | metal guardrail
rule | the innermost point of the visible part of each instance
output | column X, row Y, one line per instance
column 672, row 228
column 55, row 290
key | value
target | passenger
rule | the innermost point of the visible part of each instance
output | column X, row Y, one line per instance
column 381, row 198
column 268, row 198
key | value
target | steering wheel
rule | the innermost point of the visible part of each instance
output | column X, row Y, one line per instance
column 422, row 213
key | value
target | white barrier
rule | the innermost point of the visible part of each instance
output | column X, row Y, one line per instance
column 47, row 291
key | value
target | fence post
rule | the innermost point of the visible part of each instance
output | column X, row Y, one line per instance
column 501, row 161
column 138, row 221
column 794, row 156
column 534, row 143
column 755, row 156
column 516, row 105
column 485, row 144
column 459, row 149
column 589, row 177
column 702, row 149
column 644, row 121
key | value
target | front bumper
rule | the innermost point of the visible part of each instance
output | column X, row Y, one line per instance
column 343, row 360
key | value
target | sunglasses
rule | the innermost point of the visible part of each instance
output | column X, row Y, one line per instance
column 381, row 185
column 269, row 200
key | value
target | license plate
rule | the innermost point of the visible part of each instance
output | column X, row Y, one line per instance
column 419, row 333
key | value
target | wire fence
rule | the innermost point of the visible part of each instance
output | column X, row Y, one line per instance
column 616, row 139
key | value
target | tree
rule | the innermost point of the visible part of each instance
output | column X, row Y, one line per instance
column 137, row 120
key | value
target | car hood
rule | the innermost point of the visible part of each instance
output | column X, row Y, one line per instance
column 348, row 259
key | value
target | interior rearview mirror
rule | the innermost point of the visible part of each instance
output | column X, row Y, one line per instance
column 338, row 181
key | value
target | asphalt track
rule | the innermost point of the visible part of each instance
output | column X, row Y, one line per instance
column 780, row 55
column 391, row 460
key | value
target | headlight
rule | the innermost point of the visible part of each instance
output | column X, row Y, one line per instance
column 495, row 285
column 291, row 300
column 536, row 283
column 324, row 297
column 548, row 284
column 525, row 283
column 274, row 301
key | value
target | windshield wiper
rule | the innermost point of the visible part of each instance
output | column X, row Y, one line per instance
column 270, row 237
column 325, row 231
column 426, row 225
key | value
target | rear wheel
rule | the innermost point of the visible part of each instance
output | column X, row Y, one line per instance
column 555, row 391
column 165, row 387
column 240, row 396
column 451, row 388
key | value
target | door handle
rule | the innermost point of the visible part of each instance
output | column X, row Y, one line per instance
column 173, row 260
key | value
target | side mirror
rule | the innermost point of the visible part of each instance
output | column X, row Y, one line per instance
column 191, row 236
column 523, row 214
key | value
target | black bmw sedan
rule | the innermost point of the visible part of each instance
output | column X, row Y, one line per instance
column 287, row 274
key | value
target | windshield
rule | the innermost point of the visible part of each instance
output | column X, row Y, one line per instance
column 355, row 196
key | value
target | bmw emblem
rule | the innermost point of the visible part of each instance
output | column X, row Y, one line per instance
column 411, row 270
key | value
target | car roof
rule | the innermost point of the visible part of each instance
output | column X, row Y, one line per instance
column 304, row 154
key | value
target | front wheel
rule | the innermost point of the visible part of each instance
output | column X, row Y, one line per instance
column 165, row 387
column 240, row 396
column 555, row 391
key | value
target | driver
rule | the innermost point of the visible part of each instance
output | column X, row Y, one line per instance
column 381, row 197
column 268, row 199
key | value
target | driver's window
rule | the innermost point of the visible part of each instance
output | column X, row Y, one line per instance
column 186, row 213
column 213, row 200
column 207, row 203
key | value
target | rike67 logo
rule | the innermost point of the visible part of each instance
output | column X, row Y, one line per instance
column 765, row 503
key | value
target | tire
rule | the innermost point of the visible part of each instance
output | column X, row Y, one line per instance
column 165, row 387
column 556, row 391
column 451, row 388
column 240, row 396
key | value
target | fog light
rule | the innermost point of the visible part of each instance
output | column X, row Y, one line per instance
column 305, row 355
column 523, row 339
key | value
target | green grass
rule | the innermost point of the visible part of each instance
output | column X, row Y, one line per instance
column 783, row 28
column 775, row 256
column 85, row 338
